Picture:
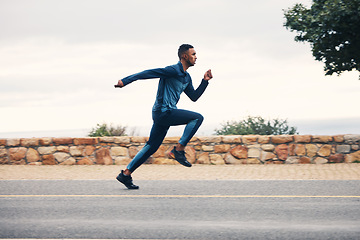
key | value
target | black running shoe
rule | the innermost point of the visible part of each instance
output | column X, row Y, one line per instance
column 126, row 180
column 180, row 157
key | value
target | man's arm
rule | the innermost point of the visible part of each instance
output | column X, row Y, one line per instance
column 147, row 74
column 119, row 85
column 208, row 75
column 193, row 94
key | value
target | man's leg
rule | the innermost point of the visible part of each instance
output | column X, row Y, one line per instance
column 157, row 135
column 193, row 121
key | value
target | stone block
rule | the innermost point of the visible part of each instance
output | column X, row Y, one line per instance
column 161, row 152
column 352, row 138
column 231, row 139
column 89, row 150
column 302, row 138
column 320, row 160
column 2, row 142
column 133, row 151
column 263, row 139
column 122, row 140
column 168, row 140
column 13, row 142
column 69, row 161
column 239, row 152
column 216, row 159
column 250, row 139
column 35, row 163
column 65, row 149
column 203, row 158
column 230, row 159
column 46, row 150
column 252, row 161
column 17, row 154
column 267, row 156
column 62, row 141
column 4, row 156
column 292, row 160
column 352, row 157
column 281, row 139
column 336, row 158
column 164, row 161
column 304, row 160
column 282, row 151
column 321, row 139
column 85, row 141
column 45, row 141
column 325, row 151
column 222, row 148
column 119, row 151
column 339, row 138
column 48, row 160
column 29, row 142
column 61, row 156
column 138, row 139
column 355, row 147
column 253, row 153
column 300, row 149
column 85, row 161
column 343, row 148
column 77, row 151
column 311, row 150
column 32, row 155
column 103, row 157
column 190, row 154
column 107, row 139
column 211, row 139
column 268, row 147
column 206, row 148
column 292, row 149
column 122, row 160
column 274, row 162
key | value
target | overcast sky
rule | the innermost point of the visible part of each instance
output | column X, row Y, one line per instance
column 59, row 61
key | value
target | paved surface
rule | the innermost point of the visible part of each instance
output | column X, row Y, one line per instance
column 180, row 209
column 197, row 172
column 174, row 202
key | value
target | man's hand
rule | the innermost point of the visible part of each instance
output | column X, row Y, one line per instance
column 119, row 85
column 208, row 75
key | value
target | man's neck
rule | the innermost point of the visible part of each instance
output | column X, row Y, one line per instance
column 184, row 64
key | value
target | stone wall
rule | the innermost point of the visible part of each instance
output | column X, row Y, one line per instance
column 251, row 149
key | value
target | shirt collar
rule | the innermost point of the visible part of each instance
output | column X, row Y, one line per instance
column 181, row 67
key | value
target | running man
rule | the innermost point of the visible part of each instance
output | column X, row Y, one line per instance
column 174, row 80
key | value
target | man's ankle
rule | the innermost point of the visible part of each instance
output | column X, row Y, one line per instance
column 180, row 147
column 127, row 172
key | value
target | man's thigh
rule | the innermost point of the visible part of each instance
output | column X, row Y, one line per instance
column 179, row 117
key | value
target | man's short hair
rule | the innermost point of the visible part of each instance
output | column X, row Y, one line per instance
column 183, row 48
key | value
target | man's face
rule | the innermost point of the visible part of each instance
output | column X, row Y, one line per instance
column 191, row 56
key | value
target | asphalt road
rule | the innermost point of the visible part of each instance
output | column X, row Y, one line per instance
column 243, row 209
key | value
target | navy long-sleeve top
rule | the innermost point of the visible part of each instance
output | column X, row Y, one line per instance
column 173, row 81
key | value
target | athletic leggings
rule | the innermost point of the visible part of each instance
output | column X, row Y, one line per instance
column 161, row 125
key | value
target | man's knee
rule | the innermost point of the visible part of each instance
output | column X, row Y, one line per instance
column 200, row 118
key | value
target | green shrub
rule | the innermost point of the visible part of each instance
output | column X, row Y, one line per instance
column 256, row 125
column 104, row 130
